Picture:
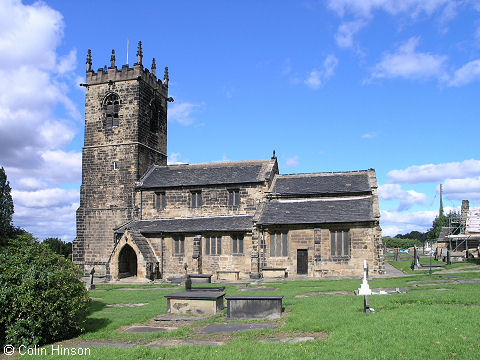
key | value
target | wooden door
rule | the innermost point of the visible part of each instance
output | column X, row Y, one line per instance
column 302, row 261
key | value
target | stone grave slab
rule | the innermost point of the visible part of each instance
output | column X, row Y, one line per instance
column 88, row 344
column 236, row 327
column 289, row 339
column 125, row 305
column 195, row 302
column 240, row 307
column 258, row 288
column 147, row 329
column 183, row 342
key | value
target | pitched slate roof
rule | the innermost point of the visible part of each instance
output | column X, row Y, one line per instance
column 190, row 225
column 143, row 246
column 317, row 211
column 232, row 172
column 322, row 183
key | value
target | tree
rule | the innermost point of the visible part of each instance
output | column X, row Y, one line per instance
column 6, row 207
column 439, row 222
column 59, row 247
column 42, row 298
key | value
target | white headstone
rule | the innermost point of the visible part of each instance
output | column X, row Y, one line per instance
column 365, row 288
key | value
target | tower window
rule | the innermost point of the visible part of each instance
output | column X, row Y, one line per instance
column 154, row 116
column 115, row 165
column 111, row 106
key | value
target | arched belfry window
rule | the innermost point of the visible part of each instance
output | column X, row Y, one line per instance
column 154, row 115
column 111, row 106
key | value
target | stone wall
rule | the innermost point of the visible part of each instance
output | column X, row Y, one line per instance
column 363, row 245
column 214, row 201
column 173, row 264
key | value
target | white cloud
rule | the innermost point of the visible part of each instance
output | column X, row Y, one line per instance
column 401, row 222
column 462, row 189
column 174, row 159
column 435, row 172
column 406, row 198
column 466, row 74
column 182, row 112
column 346, row 32
column 317, row 77
column 369, row 135
column 34, row 84
column 365, row 8
column 407, row 63
column 291, row 161
column 53, row 197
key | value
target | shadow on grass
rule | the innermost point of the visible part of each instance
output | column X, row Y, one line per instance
column 94, row 324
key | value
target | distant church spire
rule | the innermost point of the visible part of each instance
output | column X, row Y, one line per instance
column 89, row 60
column 139, row 53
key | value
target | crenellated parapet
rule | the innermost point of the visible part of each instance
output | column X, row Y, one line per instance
column 137, row 72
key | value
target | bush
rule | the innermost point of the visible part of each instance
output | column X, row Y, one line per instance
column 400, row 243
column 42, row 299
column 59, row 247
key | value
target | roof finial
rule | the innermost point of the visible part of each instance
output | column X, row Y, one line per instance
column 154, row 67
column 165, row 76
column 274, row 156
column 89, row 60
column 139, row 53
column 112, row 59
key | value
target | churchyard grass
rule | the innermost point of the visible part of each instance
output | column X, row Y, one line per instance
column 421, row 324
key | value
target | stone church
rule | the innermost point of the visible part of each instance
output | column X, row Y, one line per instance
column 140, row 217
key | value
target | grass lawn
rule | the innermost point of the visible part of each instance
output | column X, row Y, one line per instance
column 421, row 324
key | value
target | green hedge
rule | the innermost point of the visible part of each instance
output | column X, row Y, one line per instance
column 390, row 242
column 42, row 299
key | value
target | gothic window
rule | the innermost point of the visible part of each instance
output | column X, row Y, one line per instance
column 179, row 245
column 196, row 199
column 278, row 244
column 339, row 243
column 237, row 244
column 111, row 106
column 213, row 245
column 154, row 113
column 234, row 198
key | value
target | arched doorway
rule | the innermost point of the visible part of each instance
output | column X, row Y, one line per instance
column 127, row 262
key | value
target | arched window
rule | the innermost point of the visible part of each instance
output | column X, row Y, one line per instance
column 154, row 115
column 111, row 106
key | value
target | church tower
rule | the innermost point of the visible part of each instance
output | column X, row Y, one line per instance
column 125, row 133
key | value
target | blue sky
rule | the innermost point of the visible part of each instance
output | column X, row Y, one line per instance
column 330, row 85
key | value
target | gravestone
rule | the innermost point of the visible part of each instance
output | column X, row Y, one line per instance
column 364, row 288
column 91, row 285
column 416, row 260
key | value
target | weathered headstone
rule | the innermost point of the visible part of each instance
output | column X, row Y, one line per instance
column 188, row 284
column 91, row 285
column 364, row 288
column 416, row 259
